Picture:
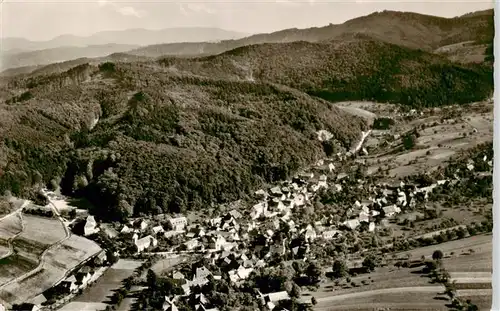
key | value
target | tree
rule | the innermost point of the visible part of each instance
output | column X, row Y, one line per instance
column 313, row 273
column 111, row 257
column 313, row 301
column 295, row 292
column 450, row 290
column 370, row 262
column 339, row 269
column 151, row 279
column 437, row 255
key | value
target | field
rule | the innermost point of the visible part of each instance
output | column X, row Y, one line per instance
column 39, row 233
column 71, row 252
column 443, row 133
column 109, row 281
column 9, row 227
column 84, row 306
column 54, row 267
column 164, row 265
column 408, row 289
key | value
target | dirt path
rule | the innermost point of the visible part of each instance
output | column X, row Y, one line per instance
column 11, row 247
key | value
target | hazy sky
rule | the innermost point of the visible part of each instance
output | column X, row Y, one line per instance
column 43, row 20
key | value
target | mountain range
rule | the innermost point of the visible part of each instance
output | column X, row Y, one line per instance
column 429, row 33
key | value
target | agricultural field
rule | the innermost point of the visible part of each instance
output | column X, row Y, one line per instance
column 10, row 226
column 84, row 306
column 39, row 233
column 469, row 262
column 443, row 133
column 112, row 279
column 71, row 252
column 55, row 265
column 14, row 266
column 165, row 265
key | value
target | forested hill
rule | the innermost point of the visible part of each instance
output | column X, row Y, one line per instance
column 350, row 70
column 177, row 134
column 164, row 141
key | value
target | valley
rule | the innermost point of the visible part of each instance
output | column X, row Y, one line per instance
column 344, row 167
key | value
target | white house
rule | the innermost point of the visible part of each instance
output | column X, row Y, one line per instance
column 352, row 223
column 192, row 244
column 371, row 227
column 157, row 229
column 391, row 210
column 271, row 299
column 144, row 243
column 126, row 229
column 90, row 226
column 178, row 223
column 310, row 233
column 330, row 234
column 258, row 210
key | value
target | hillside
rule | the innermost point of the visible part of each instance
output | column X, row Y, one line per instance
column 60, row 54
column 176, row 134
column 349, row 70
column 163, row 141
column 123, row 37
column 407, row 29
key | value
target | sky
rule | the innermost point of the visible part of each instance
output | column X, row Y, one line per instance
column 40, row 20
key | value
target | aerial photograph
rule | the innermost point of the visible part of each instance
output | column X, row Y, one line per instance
column 274, row 155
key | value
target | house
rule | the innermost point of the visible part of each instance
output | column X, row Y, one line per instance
column 235, row 214
column 192, row 244
column 169, row 305
column 310, row 233
column 258, row 210
column 371, row 227
column 331, row 167
column 271, row 299
column 171, row 233
column 391, row 210
column 364, row 217
column 125, row 229
column 352, row 223
column 144, row 243
column 178, row 223
column 202, row 272
column 243, row 272
column 157, row 229
column 178, row 276
column 276, row 191
column 90, row 226
column 330, row 234
column 140, row 224
column 261, row 194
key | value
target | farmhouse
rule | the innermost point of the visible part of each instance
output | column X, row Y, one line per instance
column 270, row 299
column 144, row 243
column 90, row 226
column 178, row 223
column 391, row 210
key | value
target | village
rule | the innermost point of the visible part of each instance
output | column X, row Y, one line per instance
column 280, row 223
